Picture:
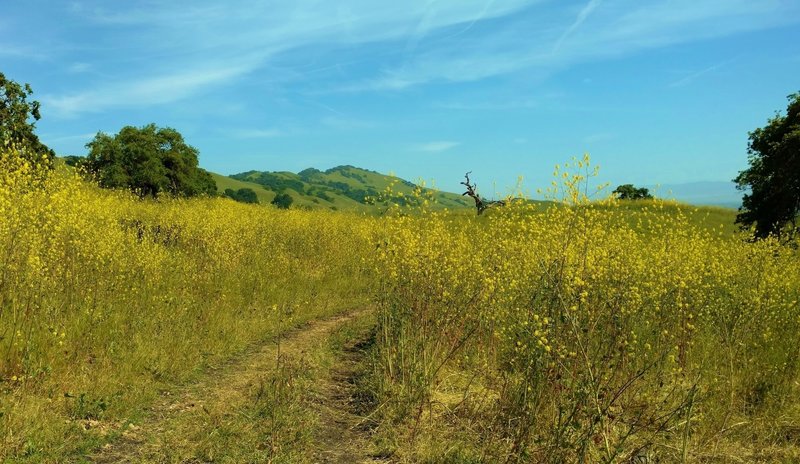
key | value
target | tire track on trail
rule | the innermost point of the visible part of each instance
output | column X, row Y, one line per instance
column 211, row 403
column 343, row 435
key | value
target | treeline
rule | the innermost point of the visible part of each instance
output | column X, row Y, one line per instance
column 243, row 195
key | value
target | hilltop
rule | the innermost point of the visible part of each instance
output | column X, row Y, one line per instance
column 338, row 188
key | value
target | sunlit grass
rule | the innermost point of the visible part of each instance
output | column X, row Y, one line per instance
column 594, row 330
column 105, row 300
column 599, row 330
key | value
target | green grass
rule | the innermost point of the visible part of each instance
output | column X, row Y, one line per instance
column 706, row 217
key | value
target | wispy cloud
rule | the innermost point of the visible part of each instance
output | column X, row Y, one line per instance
column 441, row 67
column 582, row 15
column 155, row 90
column 188, row 50
column 437, row 146
column 21, row 51
column 689, row 78
column 182, row 37
column 618, row 28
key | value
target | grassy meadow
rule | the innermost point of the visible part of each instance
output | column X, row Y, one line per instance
column 571, row 331
column 590, row 332
column 107, row 300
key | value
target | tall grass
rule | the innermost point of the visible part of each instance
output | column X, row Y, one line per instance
column 592, row 332
column 105, row 300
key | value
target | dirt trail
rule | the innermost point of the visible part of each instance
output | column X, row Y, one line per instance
column 339, row 440
column 343, row 436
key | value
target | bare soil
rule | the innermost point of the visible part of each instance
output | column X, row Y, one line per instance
column 346, row 427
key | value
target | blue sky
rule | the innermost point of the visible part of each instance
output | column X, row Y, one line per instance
column 657, row 91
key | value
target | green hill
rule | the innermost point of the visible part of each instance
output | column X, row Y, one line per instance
column 342, row 188
column 225, row 182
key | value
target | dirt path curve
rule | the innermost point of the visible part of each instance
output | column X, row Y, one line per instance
column 230, row 383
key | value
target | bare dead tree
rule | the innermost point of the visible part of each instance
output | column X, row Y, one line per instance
column 480, row 203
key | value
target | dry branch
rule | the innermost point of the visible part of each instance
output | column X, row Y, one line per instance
column 480, row 203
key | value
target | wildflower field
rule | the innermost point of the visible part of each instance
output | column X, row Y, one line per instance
column 106, row 299
column 579, row 330
column 589, row 331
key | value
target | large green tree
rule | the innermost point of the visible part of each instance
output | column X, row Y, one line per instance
column 18, row 118
column 148, row 160
column 772, row 182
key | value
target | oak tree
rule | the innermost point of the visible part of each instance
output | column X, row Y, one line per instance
column 772, row 182
column 148, row 160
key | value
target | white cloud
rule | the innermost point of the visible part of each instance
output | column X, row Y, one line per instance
column 242, row 36
column 582, row 15
column 155, row 90
column 187, row 50
column 618, row 28
column 437, row 146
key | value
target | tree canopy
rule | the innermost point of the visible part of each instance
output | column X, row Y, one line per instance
column 772, row 182
column 243, row 195
column 629, row 192
column 18, row 118
column 283, row 200
column 148, row 160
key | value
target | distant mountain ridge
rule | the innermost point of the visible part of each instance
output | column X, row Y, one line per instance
column 348, row 187
column 342, row 187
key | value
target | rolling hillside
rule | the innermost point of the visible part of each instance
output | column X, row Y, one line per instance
column 340, row 188
column 225, row 182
